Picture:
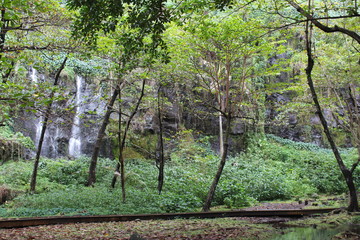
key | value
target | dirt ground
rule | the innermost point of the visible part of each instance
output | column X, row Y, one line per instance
column 210, row 229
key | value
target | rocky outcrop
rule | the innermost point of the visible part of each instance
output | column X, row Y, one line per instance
column 7, row 194
column 76, row 119
column 11, row 150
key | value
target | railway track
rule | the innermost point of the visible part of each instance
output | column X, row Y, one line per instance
column 27, row 222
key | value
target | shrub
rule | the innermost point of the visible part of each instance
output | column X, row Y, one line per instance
column 267, row 184
column 73, row 172
column 63, row 171
column 268, row 170
column 173, row 202
column 16, row 175
column 231, row 193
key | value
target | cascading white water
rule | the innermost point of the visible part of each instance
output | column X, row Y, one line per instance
column 38, row 122
column 33, row 75
column 63, row 139
column 75, row 140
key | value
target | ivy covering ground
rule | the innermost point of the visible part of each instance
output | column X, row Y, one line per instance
column 270, row 169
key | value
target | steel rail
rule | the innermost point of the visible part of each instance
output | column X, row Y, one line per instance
column 37, row 221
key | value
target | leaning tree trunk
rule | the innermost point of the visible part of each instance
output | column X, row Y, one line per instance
column 348, row 174
column 92, row 169
column 43, row 130
column 215, row 182
column 121, row 164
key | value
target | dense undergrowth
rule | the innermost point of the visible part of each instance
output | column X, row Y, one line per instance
column 271, row 168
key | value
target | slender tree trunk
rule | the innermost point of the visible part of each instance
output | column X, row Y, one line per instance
column 353, row 205
column 43, row 130
column 215, row 182
column 92, row 169
column 160, row 149
column 121, row 157
column 3, row 31
column 121, row 164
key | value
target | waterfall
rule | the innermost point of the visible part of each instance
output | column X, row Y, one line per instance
column 38, row 122
column 75, row 140
column 34, row 75
column 38, row 126
column 62, row 138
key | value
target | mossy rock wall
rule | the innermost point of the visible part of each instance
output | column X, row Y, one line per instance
column 10, row 150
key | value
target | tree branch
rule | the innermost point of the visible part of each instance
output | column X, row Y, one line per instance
column 355, row 165
column 323, row 27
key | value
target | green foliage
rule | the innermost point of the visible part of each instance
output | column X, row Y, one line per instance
column 267, row 184
column 209, row 54
column 135, row 25
column 297, row 145
column 63, row 171
column 185, row 180
column 231, row 193
column 93, row 66
column 270, row 169
column 210, row 44
column 7, row 133
column 26, row 212
column 16, row 175
column 304, row 163
column 174, row 202
column 4, row 112
column 18, row 39
column 72, row 172
column 191, row 148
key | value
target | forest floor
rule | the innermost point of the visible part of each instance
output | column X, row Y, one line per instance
column 211, row 229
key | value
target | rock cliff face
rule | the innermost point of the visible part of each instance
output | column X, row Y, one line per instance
column 73, row 124
column 11, row 150
column 75, row 121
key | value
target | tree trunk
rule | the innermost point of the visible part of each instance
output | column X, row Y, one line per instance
column 353, row 205
column 160, row 148
column 43, row 130
column 3, row 30
column 215, row 182
column 120, row 158
column 121, row 164
column 92, row 169
column 353, row 201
